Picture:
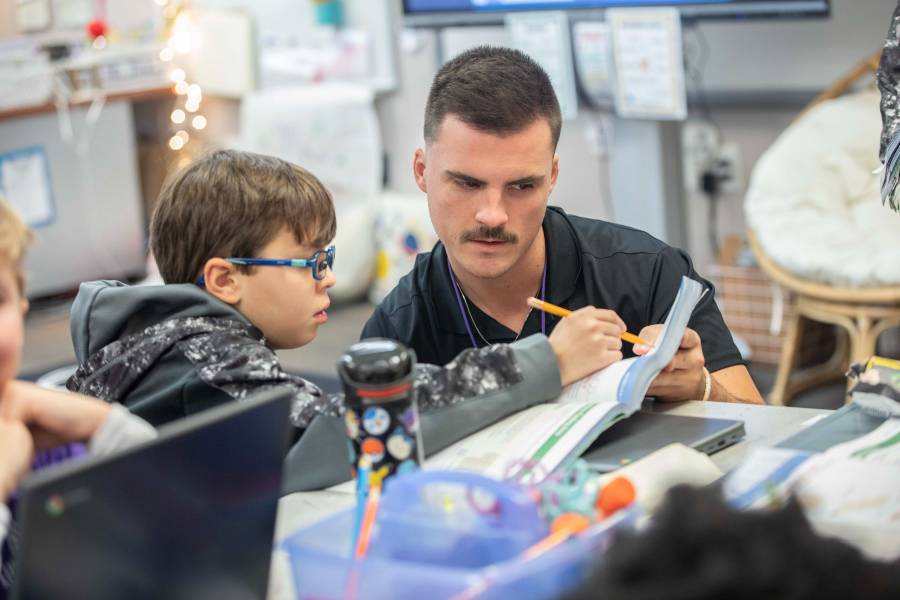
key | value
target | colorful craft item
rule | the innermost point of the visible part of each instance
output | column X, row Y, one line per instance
column 368, row 521
column 563, row 527
column 614, row 496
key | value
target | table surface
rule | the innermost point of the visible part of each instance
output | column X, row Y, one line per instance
column 765, row 426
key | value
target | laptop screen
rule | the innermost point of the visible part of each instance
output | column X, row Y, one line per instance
column 190, row 514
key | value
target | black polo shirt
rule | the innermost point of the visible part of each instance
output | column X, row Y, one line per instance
column 590, row 262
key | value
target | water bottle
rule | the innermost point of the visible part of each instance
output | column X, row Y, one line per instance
column 380, row 412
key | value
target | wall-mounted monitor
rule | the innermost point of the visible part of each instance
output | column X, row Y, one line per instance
column 480, row 12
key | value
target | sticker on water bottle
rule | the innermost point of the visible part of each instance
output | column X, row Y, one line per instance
column 376, row 420
column 400, row 445
column 410, row 419
column 373, row 448
column 351, row 421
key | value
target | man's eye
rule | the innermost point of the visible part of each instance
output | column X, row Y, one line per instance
column 520, row 187
column 469, row 185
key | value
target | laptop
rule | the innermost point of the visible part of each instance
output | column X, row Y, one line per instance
column 645, row 432
column 190, row 514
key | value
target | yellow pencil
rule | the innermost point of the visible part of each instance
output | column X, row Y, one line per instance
column 559, row 311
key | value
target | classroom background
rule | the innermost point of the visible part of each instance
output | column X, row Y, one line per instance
column 103, row 99
column 744, row 131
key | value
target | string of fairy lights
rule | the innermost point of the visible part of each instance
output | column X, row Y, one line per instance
column 178, row 32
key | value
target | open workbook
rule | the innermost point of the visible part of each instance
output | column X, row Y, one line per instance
column 534, row 442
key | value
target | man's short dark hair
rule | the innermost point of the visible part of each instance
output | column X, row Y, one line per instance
column 233, row 203
column 496, row 90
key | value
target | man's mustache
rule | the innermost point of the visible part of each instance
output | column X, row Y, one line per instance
column 485, row 234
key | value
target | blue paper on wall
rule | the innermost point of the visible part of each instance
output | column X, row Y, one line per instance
column 25, row 183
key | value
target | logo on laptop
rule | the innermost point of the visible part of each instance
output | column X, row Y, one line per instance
column 57, row 504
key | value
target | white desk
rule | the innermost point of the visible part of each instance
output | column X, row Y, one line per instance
column 765, row 426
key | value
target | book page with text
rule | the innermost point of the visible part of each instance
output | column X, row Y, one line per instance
column 537, row 439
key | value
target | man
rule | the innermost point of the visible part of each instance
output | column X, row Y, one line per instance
column 492, row 123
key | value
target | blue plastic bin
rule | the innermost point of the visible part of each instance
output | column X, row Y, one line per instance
column 438, row 534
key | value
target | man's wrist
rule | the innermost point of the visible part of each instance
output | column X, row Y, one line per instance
column 707, row 385
column 702, row 388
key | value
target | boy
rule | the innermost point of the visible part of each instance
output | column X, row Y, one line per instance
column 223, row 234
column 32, row 418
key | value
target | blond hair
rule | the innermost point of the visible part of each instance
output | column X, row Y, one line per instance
column 14, row 239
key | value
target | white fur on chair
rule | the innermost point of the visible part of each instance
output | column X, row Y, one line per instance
column 814, row 203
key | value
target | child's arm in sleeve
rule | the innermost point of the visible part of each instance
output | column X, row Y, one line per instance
column 503, row 378
column 121, row 429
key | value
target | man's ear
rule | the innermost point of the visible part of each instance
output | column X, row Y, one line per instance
column 222, row 280
column 419, row 169
column 23, row 304
column 554, row 172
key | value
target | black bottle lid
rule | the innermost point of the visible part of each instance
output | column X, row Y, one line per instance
column 377, row 361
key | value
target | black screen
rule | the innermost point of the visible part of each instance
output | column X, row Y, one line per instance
column 482, row 11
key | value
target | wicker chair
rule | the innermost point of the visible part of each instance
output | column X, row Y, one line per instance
column 861, row 313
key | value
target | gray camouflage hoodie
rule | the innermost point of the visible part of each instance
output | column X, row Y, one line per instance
column 173, row 350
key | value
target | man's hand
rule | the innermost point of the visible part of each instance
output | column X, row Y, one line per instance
column 53, row 418
column 586, row 341
column 16, row 454
column 683, row 377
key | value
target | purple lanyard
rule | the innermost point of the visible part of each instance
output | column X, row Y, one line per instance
column 465, row 317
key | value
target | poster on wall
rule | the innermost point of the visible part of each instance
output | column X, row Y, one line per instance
column 25, row 183
column 649, row 63
column 544, row 36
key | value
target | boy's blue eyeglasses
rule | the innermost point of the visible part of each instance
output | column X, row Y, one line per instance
column 319, row 262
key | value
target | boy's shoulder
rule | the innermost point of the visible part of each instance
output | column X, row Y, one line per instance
column 172, row 388
column 106, row 311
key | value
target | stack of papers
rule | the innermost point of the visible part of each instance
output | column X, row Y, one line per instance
column 851, row 491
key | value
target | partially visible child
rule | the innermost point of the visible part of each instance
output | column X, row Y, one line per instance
column 241, row 241
column 697, row 547
column 32, row 418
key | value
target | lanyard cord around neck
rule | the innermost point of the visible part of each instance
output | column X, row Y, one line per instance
column 462, row 310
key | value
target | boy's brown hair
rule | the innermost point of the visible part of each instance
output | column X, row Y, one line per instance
column 14, row 239
column 231, row 204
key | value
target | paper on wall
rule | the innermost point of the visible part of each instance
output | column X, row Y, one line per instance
column 544, row 36
column 329, row 129
column 649, row 63
column 25, row 183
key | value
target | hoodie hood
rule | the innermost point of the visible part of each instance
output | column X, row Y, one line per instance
column 106, row 311
column 121, row 332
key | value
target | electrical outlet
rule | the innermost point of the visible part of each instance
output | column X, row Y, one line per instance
column 699, row 148
column 730, row 167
